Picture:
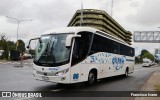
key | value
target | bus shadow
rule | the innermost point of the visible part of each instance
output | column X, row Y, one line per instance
column 112, row 79
column 81, row 86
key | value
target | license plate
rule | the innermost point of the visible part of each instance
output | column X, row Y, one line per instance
column 45, row 78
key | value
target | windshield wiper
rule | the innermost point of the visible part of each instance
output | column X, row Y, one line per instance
column 52, row 54
column 49, row 52
column 46, row 51
column 42, row 55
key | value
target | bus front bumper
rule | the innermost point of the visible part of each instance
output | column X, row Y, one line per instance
column 56, row 79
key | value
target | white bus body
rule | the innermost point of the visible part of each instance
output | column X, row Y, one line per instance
column 75, row 63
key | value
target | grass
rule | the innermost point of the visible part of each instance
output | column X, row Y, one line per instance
column 157, row 87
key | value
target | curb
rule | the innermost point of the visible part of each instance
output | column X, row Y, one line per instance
column 3, row 60
column 149, row 86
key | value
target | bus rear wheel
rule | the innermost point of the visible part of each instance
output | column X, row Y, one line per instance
column 126, row 72
column 91, row 78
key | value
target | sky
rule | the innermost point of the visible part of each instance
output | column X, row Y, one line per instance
column 133, row 15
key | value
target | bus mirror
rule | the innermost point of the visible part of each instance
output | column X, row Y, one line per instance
column 69, row 39
column 28, row 47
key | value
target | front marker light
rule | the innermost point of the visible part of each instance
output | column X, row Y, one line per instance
column 63, row 78
column 62, row 72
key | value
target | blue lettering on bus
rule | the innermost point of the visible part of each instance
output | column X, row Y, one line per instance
column 117, row 62
column 92, row 59
column 53, row 69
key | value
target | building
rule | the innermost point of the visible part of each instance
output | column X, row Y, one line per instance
column 100, row 20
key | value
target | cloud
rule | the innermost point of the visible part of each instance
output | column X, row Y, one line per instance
column 46, row 15
column 133, row 15
column 6, row 6
column 147, row 15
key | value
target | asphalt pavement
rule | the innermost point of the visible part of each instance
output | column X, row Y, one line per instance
column 20, row 78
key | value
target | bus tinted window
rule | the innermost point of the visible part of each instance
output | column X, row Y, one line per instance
column 125, row 50
column 102, row 44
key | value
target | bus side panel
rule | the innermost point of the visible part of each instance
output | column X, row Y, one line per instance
column 107, row 65
column 75, row 74
column 117, row 64
column 86, row 68
column 130, row 63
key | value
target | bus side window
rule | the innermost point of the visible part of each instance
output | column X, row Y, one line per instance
column 116, row 50
column 101, row 44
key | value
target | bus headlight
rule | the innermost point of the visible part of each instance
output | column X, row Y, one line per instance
column 62, row 72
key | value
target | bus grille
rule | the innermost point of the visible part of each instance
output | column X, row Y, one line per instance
column 46, row 74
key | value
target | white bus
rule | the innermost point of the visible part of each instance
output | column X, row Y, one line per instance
column 80, row 54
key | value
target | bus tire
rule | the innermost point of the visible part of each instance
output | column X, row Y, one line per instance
column 126, row 72
column 91, row 78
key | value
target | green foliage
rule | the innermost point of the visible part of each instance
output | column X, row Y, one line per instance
column 6, row 51
column 157, row 87
column 10, row 45
column 3, row 46
column 21, row 46
column 148, row 55
column 138, row 60
column 144, row 54
column 32, row 52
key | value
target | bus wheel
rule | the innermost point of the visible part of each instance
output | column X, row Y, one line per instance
column 91, row 78
column 126, row 72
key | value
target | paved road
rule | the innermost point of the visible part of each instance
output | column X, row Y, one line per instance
column 16, row 78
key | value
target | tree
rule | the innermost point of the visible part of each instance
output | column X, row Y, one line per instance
column 20, row 46
column 4, row 46
column 146, row 54
column 11, row 45
column 149, row 56
column 143, row 52
column 32, row 52
column 137, row 59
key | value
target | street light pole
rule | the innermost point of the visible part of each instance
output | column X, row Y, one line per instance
column 112, row 8
column 81, row 18
column 159, row 48
column 18, row 29
column 18, row 22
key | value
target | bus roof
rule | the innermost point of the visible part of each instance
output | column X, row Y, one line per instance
column 79, row 29
column 70, row 30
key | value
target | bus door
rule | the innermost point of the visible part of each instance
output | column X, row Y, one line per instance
column 81, row 48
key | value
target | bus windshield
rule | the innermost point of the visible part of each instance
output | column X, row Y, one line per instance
column 52, row 51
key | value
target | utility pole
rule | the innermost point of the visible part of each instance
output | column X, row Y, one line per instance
column 112, row 8
column 159, row 48
column 81, row 18
column 18, row 22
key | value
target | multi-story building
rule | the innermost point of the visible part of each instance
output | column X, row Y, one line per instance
column 100, row 20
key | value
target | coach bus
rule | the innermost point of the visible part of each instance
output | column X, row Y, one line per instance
column 80, row 54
